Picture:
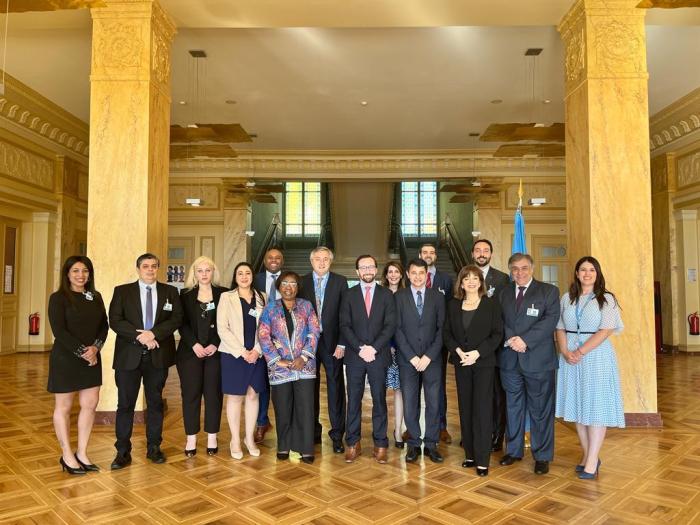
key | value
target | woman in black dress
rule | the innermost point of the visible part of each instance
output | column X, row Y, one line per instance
column 198, row 362
column 242, row 367
column 79, row 325
column 473, row 331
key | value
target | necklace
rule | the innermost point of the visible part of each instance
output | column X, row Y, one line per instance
column 467, row 303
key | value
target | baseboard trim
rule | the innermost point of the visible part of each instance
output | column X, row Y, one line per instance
column 643, row 420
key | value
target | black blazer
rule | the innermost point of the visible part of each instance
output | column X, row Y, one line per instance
column 191, row 313
column 536, row 330
column 496, row 281
column 125, row 317
column 336, row 286
column 357, row 329
column 418, row 336
column 485, row 332
column 442, row 283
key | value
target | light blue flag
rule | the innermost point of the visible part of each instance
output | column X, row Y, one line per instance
column 519, row 237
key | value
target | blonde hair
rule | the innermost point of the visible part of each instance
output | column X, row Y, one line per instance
column 191, row 279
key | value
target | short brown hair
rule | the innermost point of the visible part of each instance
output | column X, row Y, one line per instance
column 459, row 292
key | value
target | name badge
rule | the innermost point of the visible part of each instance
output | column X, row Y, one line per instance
column 210, row 306
column 532, row 311
column 491, row 291
column 253, row 312
column 88, row 296
column 168, row 306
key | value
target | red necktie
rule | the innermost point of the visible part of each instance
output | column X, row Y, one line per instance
column 368, row 299
column 519, row 299
column 429, row 282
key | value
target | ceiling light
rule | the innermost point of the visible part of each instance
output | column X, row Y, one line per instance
column 193, row 202
column 546, row 101
column 537, row 201
column 182, row 102
column 533, row 51
column 192, row 126
column 363, row 103
column 496, row 101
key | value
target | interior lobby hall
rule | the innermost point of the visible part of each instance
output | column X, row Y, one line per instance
column 223, row 129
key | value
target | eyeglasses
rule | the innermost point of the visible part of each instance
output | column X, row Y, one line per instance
column 292, row 284
column 365, row 268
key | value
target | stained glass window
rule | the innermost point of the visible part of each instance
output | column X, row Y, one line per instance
column 419, row 209
column 302, row 209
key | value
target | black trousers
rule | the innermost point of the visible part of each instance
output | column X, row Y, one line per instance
column 534, row 390
column 128, row 384
column 411, row 383
column 201, row 377
column 335, row 389
column 443, row 392
column 376, row 374
column 294, row 417
column 475, row 401
column 499, row 410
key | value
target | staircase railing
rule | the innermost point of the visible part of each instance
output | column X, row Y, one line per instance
column 272, row 239
column 450, row 239
column 325, row 238
column 397, row 243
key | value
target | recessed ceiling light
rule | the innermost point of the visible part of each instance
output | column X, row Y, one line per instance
column 546, row 101
column 496, row 101
column 182, row 102
column 363, row 103
column 229, row 101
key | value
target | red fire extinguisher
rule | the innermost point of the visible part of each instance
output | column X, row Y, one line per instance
column 34, row 322
column 694, row 322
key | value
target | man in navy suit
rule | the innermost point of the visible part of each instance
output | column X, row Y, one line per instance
column 441, row 282
column 367, row 323
column 324, row 289
column 265, row 281
column 420, row 316
column 528, row 362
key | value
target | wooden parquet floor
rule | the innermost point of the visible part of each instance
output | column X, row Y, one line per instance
column 647, row 476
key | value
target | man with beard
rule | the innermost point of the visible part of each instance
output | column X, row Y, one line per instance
column 367, row 323
column 495, row 280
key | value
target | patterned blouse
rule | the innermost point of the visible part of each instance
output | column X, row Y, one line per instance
column 275, row 340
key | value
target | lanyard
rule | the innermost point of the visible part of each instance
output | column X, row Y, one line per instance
column 579, row 314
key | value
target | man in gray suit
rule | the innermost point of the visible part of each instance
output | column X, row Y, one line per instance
column 420, row 314
column 528, row 362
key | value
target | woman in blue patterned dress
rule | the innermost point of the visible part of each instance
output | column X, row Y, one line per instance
column 588, row 383
column 393, row 277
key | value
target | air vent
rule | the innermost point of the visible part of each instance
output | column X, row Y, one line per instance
column 198, row 53
column 533, row 52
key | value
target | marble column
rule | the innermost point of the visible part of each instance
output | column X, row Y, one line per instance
column 129, row 149
column 67, row 193
column 237, row 220
column 487, row 221
column 687, row 277
column 608, row 177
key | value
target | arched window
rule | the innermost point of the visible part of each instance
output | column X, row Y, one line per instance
column 419, row 209
column 302, row 209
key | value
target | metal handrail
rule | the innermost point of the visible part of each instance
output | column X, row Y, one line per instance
column 273, row 235
column 450, row 238
column 325, row 238
column 397, row 243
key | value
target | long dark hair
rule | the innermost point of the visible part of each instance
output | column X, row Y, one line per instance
column 65, row 283
column 259, row 299
column 599, row 289
column 399, row 267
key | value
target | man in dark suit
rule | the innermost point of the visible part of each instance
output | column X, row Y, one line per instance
column 441, row 282
column 367, row 323
column 420, row 316
column 324, row 290
column 528, row 362
column 144, row 315
column 495, row 281
column 265, row 281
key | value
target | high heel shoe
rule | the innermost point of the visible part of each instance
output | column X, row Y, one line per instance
column 589, row 475
column 397, row 442
column 234, row 454
column 581, row 468
column 252, row 450
column 190, row 453
column 212, row 451
column 70, row 470
column 87, row 467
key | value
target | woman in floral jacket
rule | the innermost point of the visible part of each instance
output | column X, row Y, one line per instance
column 288, row 334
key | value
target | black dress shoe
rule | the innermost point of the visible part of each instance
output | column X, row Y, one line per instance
column 87, row 467
column 434, row 455
column 283, row 455
column 338, row 447
column 307, row 459
column 412, row 454
column 212, row 451
column 482, row 471
column 156, row 455
column 541, row 467
column 468, row 463
column 399, row 444
column 120, row 461
column 509, row 460
column 190, row 453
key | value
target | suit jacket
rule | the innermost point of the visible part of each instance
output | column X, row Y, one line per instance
column 260, row 282
column 377, row 330
column 496, row 280
column 126, row 317
column 329, row 317
column 536, row 330
column 485, row 332
column 229, row 323
column 191, row 314
column 442, row 283
column 419, row 335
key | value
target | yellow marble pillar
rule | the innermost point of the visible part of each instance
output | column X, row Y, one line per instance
column 487, row 221
column 687, row 277
column 67, row 176
column 129, row 148
column 608, row 176
column 237, row 220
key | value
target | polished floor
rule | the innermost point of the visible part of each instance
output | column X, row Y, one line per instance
column 647, row 477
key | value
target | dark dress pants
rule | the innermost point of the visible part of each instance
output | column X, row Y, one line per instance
column 335, row 389
column 128, row 384
column 294, row 415
column 376, row 374
column 411, row 383
column 499, row 410
column 443, row 392
column 201, row 377
column 264, row 404
column 534, row 392
column 475, row 400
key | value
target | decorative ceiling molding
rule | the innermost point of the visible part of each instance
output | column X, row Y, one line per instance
column 676, row 121
column 27, row 108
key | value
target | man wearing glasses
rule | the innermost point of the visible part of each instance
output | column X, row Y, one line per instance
column 367, row 323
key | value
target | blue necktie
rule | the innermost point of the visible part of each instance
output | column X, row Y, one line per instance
column 419, row 303
column 149, row 309
column 272, row 292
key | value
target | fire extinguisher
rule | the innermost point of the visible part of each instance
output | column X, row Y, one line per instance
column 694, row 322
column 34, row 322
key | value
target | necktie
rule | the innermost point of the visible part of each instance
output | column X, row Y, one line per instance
column 519, row 299
column 419, row 303
column 319, row 301
column 149, row 309
column 272, row 291
column 429, row 282
column 368, row 299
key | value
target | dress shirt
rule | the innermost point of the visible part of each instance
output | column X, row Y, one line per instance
column 431, row 270
column 154, row 299
column 372, row 286
column 485, row 270
column 517, row 288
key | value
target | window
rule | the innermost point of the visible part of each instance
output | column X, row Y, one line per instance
column 302, row 209
column 419, row 209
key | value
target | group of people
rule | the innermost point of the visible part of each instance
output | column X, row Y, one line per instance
column 269, row 334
